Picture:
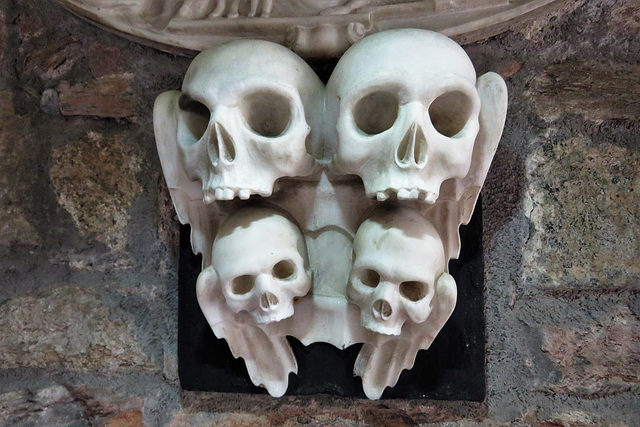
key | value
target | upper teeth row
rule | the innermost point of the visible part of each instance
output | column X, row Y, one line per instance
column 402, row 194
column 408, row 194
column 226, row 194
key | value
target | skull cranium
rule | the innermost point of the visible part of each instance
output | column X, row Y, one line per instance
column 244, row 116
column 405, row 109
column 260, row 258
column 398, row 255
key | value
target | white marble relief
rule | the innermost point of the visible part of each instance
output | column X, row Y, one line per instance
column 329, row 215
column 312, row 28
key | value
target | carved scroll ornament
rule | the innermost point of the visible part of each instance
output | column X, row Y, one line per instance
column 329, row 213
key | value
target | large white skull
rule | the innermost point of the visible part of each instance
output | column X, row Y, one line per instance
column 260, row 258
column 405, row 110
column 244, row 116
column 398, row 255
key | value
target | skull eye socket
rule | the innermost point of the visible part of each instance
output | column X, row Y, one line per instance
column 376, row 112
column 413, row 290
column 267, row 113
column 195, row 117
column 450, row 112
column 242, row 284
column 369, row 277
column 284, row 270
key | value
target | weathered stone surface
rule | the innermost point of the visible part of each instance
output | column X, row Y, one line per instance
column 69, row 327
column 105, row 60
column 596, row 90
column 70, row 406
column 534, row 30
column 25, row 408
column 168, row 227
column 583, row 205
column 108, row 96
column 95, row 181
column 506, row 69
column 31, row 25
column 14, row 225
column 3, row 34
column 55, row 60
column 126, row 419
column 50, row 101
column 597, row 359
column 183, row 419
column 107, row 408
column 625, row 15
column 197, row 408
column 573, row 418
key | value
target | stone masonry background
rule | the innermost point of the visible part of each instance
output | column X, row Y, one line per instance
column 88, row 236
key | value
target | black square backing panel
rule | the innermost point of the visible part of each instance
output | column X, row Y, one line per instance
column 452, row 369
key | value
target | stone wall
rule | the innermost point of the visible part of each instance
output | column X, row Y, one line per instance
column 88, row 237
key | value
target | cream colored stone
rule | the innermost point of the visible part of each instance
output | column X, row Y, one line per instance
column 595, row 359
column 95, row 181
column 68, row 327
column 582, row 202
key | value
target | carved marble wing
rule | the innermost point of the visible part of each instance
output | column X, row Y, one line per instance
column 380, row 364
column 186, row 194
column 458, row 196
column 268, row 357
column 265, row 349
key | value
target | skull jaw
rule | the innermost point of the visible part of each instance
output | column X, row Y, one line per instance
column 263, row 317
column 241, row 181
column 392, row 326
column 228, row 186
column 404, row 185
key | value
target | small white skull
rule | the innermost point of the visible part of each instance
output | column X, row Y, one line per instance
column 398, row 255
column 243, row 119
column 405, row 109
column 260, row 258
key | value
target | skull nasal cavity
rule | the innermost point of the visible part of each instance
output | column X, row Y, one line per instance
column 222, row 145
column 412, row 150
column 267, row 113
column 450, row 112
column 382, row 309
column 376, row 112
column 268, row 301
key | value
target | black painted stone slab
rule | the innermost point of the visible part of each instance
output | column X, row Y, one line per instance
column 452, row 369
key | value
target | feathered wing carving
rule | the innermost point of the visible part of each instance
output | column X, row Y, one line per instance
column 266, row 352
column 380, row 364
column 186, row 194
column 268, row 357
column 458, row 196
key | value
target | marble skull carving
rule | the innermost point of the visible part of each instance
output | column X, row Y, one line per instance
column 398, row 256
column 260, row 279
column 242, row 119
column 406, row 109
column 329, row 213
